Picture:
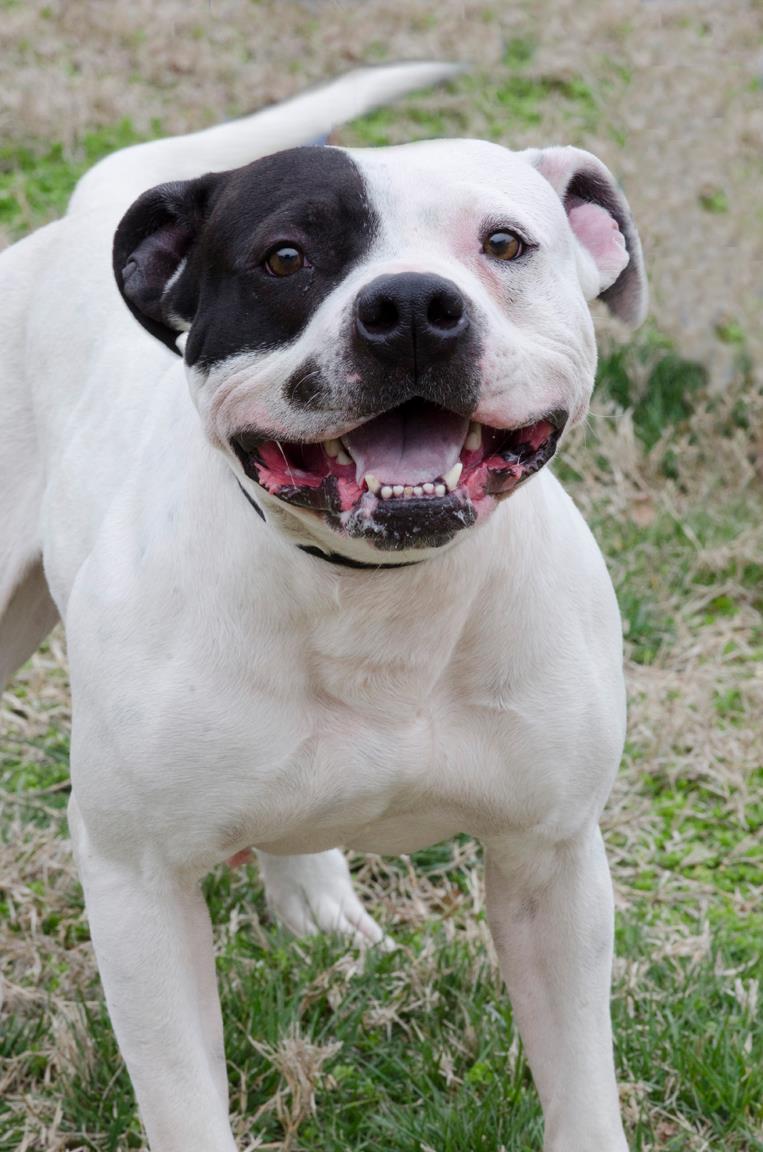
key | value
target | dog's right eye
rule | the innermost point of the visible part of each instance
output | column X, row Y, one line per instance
column 503, row 246
column 285, row 260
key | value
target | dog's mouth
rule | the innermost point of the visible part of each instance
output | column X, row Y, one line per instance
column 408, row 478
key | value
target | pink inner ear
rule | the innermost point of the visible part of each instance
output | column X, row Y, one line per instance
column 600, row 235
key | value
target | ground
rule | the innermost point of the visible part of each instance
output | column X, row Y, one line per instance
column 414, row 1050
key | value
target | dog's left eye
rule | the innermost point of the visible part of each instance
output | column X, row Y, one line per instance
column 503, row 246
column 285, row 260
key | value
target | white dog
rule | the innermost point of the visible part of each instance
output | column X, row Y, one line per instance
column 313, row 596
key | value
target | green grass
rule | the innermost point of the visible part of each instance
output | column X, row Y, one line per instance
column 515, row 97
column 36, row 182
column 653, row 596
column 654, row 382
column 421, row 1046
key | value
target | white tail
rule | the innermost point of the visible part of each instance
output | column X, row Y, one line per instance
column 120, row 178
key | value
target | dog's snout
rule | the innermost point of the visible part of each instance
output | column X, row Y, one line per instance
column 411, row 318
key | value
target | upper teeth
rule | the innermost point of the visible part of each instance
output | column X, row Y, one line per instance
column 452, row 477
column 474, row 437
column 335, row 449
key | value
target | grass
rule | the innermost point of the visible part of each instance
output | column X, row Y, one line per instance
column 35, row 183
column 415, row 1050
column 332, row 1049
column 515, row 97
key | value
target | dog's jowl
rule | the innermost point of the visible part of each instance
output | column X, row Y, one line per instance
column 378, row 351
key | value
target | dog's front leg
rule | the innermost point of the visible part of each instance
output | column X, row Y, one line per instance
column 153, row 943
column 550, row 910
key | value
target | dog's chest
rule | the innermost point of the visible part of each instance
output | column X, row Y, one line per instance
column 366, row 726
column 352, row 724
column 298, row 709
column 373, row 769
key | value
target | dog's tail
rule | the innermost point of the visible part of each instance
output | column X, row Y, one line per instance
column 120, row 178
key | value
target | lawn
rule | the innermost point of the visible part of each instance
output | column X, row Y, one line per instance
column 415, row 1050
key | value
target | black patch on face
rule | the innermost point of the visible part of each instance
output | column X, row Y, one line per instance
column 313, row 198
column 308, row 387
column 225, row 225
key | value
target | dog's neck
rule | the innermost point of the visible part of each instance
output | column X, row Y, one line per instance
column 332, row 557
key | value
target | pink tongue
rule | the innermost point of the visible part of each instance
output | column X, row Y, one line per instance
column 408, row 445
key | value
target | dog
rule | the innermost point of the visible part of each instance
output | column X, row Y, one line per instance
column 279, row 465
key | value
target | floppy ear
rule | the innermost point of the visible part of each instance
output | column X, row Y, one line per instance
column 151, row 249
column 599, row 216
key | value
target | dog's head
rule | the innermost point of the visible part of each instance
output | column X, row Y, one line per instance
column 387, row 341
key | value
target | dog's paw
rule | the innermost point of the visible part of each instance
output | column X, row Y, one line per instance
column 311, row 894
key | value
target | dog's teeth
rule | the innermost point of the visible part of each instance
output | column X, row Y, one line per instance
column 452, row 477
column 449, row 483
column 473, row 441
column 342, row 457
column 332, row 447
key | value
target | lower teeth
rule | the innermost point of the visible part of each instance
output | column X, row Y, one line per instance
column 387, row 491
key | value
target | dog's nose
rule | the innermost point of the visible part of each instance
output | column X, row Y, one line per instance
column 411, row 318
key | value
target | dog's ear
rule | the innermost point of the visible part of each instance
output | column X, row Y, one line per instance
column 150, row 256
column 612, row 265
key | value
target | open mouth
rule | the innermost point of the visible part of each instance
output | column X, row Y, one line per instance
column 410, row 477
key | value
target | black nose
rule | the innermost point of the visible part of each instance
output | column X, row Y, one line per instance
column 412, row 318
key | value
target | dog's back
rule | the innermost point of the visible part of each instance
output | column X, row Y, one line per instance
column 27, row 612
